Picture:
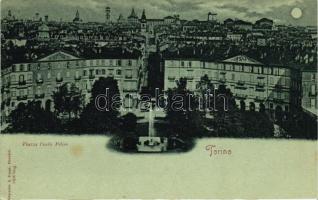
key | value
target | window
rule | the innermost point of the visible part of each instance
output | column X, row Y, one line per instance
column 129, row 63
column 29, row 77
column 119, row 62
column 21, row 93
column 182, row 64
column 49, row 66
column 190, row 64
column 287, row 108
column 30, row 91
column 49, row 89
column 21, row 68
column 13, row 78
column 313, row 77
column 84, row 73
column 77, row 63
column 313, row 89
column 111, row 62
column 129, row 74
column 313, row 103
column 21, row 78
column 118, row 72
column 48, row 75
column 39, row 76
column 96, row 71
column 58, row 76
column 233, row 77
column 39, row 90
column 38, row 67
column 103, row 71
column 14, row 68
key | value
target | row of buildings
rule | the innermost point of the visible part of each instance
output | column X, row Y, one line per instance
column 284, row 87
column 23, row 82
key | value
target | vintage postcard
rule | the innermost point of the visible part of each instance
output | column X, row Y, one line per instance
column 158, row 99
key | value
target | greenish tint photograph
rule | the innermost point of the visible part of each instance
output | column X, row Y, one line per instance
column 158, row 99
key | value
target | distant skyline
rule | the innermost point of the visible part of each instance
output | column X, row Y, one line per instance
column 94, row 10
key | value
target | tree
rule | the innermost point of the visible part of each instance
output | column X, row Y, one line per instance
column 183, row 115
column 129, row 122
column 261, row 108
column 242, row 105
column 227, row 122
column 33, row 118
column 96, row 120
column 68, row 99
column 257, row 125
column 204, row 86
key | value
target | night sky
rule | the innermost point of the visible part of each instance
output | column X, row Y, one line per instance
column 93, row 10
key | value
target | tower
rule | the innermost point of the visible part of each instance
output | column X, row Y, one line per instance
column 212, row 17
column 37, row 17
column 77, row 14
column 143, row 21
column 107, row 14
column 77, row 18
column 46, row 18
column 133, row 17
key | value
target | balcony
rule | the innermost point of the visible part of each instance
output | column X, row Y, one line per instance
column 39, row 81
column 260, row 77
column 23, row 97
column 7, row 90
column 8, row 101
column 222, row 80
column 77, row 78
column 22, row 82
column 260, row 85
column 277, row 100
column 259, row 99
column 278, row 87
column 189, row 77
column 312, row 94
column 59, row 80
column 39, row 96
column 130, row 90
column 241, row 83
column 240, row 96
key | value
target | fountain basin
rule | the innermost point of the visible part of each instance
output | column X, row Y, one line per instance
column 152, row 144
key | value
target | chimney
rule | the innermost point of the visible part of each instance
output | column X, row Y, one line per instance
column 37, row 16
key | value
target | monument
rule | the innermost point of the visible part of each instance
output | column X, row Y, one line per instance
column 152, row 143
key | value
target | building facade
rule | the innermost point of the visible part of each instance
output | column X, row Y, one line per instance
column 254, row 83
column 309, row 90
column 23, row 82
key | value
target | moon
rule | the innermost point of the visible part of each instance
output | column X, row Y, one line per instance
column 296, row 13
